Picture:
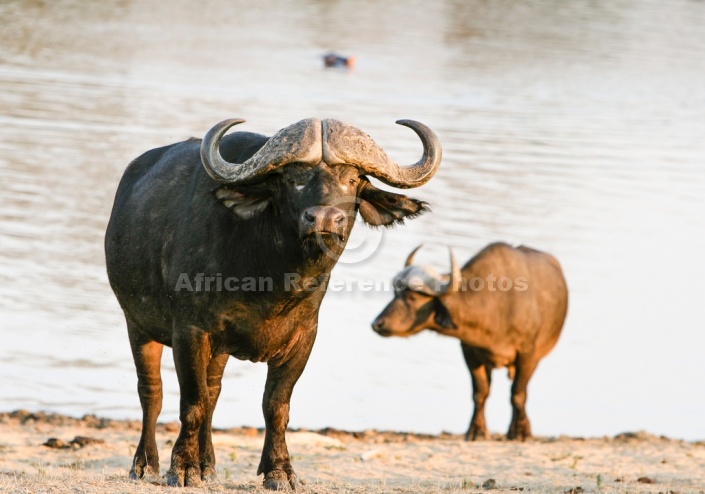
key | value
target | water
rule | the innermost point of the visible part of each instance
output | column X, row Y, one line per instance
column 573, row 127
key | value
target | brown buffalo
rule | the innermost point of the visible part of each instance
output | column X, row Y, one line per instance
column 507, row 306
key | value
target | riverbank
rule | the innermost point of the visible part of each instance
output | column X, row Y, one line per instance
column 93, row 455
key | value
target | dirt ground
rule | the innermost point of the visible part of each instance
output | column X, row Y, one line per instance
column 93, row 455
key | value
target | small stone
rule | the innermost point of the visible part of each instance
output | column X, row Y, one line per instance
column 489, row 484
column 645, row 480
column 81, row 441
column 56, row 443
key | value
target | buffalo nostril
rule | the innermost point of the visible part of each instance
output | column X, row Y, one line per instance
column 309, row 216
column 338, row 217
column 378, row 325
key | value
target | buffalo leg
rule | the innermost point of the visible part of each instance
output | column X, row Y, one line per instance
column 147, row 356
column 215, row 370
column 481, row 379
column 281, row 378
column 520, row 427
column 192, row 354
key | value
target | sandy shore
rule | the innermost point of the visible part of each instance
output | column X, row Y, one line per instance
column 333, row 461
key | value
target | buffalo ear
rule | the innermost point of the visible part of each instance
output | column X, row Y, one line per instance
column 441, row 315
column 382, row 208
column 245, row 203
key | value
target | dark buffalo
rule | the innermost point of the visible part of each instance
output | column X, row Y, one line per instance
column 507, row 306
column 205, row 249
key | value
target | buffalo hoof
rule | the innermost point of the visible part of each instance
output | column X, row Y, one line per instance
column 146, row 473
column 520, row 430
column 279, row 480
column 141, row 469
column 477, row 433
column 208, row 473
column 184, row 477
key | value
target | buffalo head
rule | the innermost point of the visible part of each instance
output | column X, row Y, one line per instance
column 313, row 175
column 418, row 299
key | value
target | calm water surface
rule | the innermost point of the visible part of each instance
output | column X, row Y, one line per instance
column 572, row 127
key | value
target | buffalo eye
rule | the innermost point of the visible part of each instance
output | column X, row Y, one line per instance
column 293, row 183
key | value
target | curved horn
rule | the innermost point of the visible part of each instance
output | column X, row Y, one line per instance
column 456, row 278
column 410, row 259
column 298, row 142
column 344, row 143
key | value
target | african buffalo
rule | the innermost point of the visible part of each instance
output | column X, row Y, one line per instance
column 249, row 208
column 507, row 306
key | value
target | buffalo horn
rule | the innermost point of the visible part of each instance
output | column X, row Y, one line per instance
column 343, row 143
column 410, row 259
column 456, row 277
column 312, row 141
column 298, row 142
